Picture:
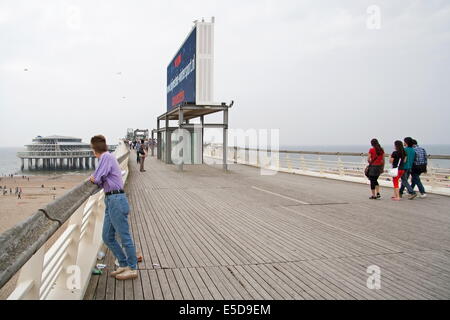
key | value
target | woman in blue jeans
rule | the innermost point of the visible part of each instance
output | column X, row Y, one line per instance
column 108, row 176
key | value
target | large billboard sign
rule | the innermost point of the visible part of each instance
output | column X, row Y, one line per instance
column 181, row 78
column 190, row 73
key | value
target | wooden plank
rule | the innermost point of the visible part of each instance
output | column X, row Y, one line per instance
column 165, row 288
column 195, row 291
column 211, row 285
column 172, row 281
column 186, row 293
column 128, row 290
column 91, row 289
column 120, row 290
column 222, row 288
column 156, row 288
column 146, row 285
column 206, row 294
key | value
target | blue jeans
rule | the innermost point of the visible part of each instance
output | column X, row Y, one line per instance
column 405, row 183
column 116, row 220
column 415, row 181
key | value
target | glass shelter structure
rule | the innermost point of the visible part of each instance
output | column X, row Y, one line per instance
column 187, row 145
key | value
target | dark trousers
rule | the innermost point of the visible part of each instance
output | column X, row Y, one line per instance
column 415, row 181
column 405, row 183
column 373, row 182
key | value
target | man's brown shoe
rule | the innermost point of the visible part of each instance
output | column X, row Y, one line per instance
column 127, row 274
column 118, row 271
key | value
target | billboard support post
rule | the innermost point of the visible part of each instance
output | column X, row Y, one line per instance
column 225, row 139
column 180, row 125
column 158, row 145
column 167, row 142
column 202, row 122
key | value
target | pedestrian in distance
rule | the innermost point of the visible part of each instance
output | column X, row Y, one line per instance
column 137, row 146
column 375, row 168
column 108, row 176
column 398, row 158
column 419, row 167
column 142, row 154
column 410, row 156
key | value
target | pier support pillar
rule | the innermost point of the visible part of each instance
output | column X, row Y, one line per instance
column 81, row 163
column 93, row 162
column 30, row 164
column 22, row 164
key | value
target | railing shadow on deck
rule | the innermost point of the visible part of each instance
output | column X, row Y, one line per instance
column 63, row 271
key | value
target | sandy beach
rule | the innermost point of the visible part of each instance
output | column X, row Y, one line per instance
column 33, row 197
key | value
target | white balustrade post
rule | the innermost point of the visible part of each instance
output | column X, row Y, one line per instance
column 302, row 162
column 319, row 160
column 278, row 160
column 30, row 277
column 340, row 166
column 63, row 289
column 289, row 163
column 433, row 176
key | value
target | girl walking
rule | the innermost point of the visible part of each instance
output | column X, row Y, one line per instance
column 398, row 158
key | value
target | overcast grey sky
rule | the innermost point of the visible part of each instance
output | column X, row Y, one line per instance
column 313, row 69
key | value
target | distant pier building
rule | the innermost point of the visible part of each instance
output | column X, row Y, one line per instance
column 57, row 152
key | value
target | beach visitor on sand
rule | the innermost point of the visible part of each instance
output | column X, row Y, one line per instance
column 108, row 176
column 375, row 168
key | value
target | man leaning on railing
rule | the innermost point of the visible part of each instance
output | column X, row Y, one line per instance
column 108, row 176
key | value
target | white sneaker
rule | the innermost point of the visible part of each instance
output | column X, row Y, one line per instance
column 423, row 195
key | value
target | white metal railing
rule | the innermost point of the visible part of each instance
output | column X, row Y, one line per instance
column 63, row 271
column 333, row 165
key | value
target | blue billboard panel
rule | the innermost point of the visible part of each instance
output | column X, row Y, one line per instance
column 181, row 74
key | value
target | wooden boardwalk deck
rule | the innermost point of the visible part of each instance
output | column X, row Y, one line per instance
column 208, row 234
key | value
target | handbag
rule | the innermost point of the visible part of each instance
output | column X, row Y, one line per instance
column 393, row 172
column 367, row 169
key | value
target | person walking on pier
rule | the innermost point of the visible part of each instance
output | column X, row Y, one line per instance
column 397, row 160
column 410, row 156
column 375, row 168
column 142, row 152
column 108, row 176
column 419, row 167
column 137, row 147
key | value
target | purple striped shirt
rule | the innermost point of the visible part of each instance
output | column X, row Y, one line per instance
column 108, row 175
